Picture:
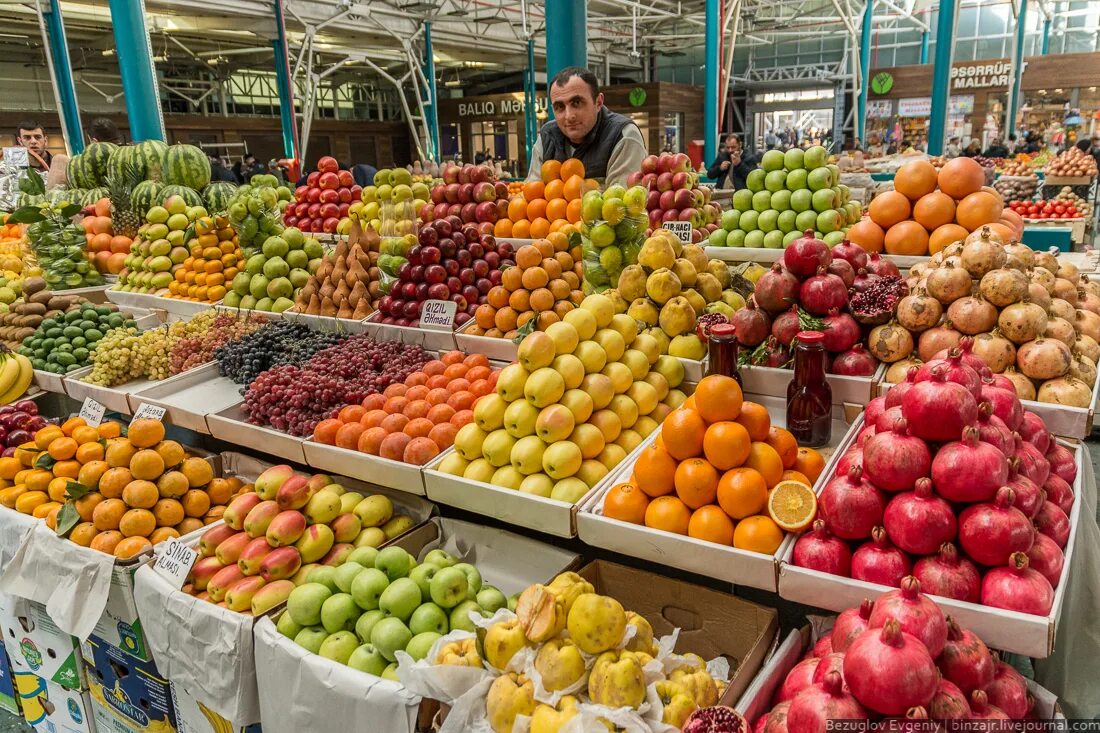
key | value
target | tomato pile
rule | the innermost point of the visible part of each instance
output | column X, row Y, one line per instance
column 1053, row 209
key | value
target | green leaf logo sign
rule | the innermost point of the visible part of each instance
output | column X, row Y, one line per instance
column 882, row 83
column 637, row 97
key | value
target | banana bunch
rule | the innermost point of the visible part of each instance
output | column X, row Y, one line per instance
column 16, row 374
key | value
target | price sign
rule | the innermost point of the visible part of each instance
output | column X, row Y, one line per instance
column 92, row 412
column 174, row 562
column 16, row 157
column 151, row 412
column 438, row 315
column 682, row 230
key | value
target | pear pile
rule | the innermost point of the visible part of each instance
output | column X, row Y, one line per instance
column 345, row 285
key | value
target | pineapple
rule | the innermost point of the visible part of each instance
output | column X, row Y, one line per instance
column 124, row 220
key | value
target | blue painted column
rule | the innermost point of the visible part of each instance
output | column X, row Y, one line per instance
column 864, row 71
column 924, row 37
column 941, row 74
column 284, row 85
column 530, row 121
column 431, row 114
column 566, row 36
column 135, row 63
column 712, row 65
column 1046, row 37
column 64, row 86
column 1017, row 70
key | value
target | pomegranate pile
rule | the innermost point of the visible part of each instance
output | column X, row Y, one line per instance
column 842, row 291
column 949, row 480
column 1025, row 314
column 898, row 657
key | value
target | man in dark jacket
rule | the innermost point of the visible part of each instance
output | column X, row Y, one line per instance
column 732, row 166
column 996, row 149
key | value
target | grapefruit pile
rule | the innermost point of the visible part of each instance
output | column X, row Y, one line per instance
column 930, row 209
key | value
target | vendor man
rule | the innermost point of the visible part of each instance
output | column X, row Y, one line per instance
column 608, row 143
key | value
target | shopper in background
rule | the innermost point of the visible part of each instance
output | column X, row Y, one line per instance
column 103, row 130
column 609, row 144
column 364, row 174
column 218, row 171
column 953, row 149
column 732, row 165
column 996, row 149
column 973, row 150
column 1012, row 144
column 31, row 135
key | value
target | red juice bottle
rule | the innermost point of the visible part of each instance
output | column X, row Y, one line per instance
column 809, row 396
column 722, row 351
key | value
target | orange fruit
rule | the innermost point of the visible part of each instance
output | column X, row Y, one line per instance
column 113, row 481
column 907, row 238
column 945, row 235
column 131, row 546
column 168, row 512
column 570, row 168
column 195, row 503
column 535, row 209
column 655, row 471
column 198, row 471
column 88, row 452
column 961, row 177
column 47, row 435
column 711, row 524
column 792, row 475
column 792, row 505
column 742, row 492
column 754, row 418
column 532, row 190
column 915, row 179
column 68, row 469
column 867, row 234
column 718, row 397
column 86, row 505
column 555, row 190
column 137, row 523
column 108, row 513
column 106, row 541
column 668, row 513
column 62, row 449
column 140, row 494
column 58, row 489
column 110, row 429
column 978, row 209
column 809, row 463
column 696, row 482
column 171, row 452
column 146, row 464
column 626, row 502
column 767, row 462
column 145, row 433
column 785, row 445
column 85, row 434
column 934, row 210
column 72, row 424
column 83, row 534
column 9, row 466
column 28, row 501
column 726, row 444
column 888, row 208
column 757, row 534
column 160, row 534
column 683, row 432
column 550, row 171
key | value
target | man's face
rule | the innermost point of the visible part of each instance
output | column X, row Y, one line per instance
column 35, row 139
column 574, row 109
column 733, row 146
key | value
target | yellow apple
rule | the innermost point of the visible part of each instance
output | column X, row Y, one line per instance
column 601, row 307
column 583, row 321
column 510, row 382
column 569, row 490
column 625, row 325
column 645, row 426
column 648, row 345
column 600, row 388
column 536, row 351
column 519, row 418
column 620, row 376
column 454, row 464
column 489, row 412
column 628, row 440
column 570, row 368
column 672, row 369
column 592, row 356
column 608, row 423
column 579, row 403
column 643, row 396
column 561, row 460
column 566, row 335
column 625, row 408
column 612, row 343
column 498, row 447
column 591, row 472
column 526, row 455
column 611, row 455
column 538, row 484
column 674, row 398
column 657, row 381
column 479, row 470
column 468, row 441
column 544, row 387
column 507, row 477
column 589, row 439
column 555, row 422
column 636, row 362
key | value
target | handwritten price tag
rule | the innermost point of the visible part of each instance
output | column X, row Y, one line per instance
column 152, row 412
column 682, row 230
column 438, row 315
column 92, row 412
column 174, row 562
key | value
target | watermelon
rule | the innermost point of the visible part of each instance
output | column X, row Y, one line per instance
column 124, row 160
column 145, row 196
column 186, row 165
column 189, row 195
column 91, row 196
column 218, row 195
column 97, row 155
column 151, row 157
column 79, row 172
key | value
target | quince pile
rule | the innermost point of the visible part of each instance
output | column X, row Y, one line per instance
column 669, row 288
column 565, row 637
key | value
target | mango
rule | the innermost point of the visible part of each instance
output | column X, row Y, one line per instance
column 271, row 480
column 319, row 481
column 229, row 551
column 239, row 508
column 338, row 554
column 286, row 528
column 346, row 527
column 397, row 526
column 509, row 696
column 315, row 542
column 560, row 664
column 203, row 570
column 259, row 518
column 213, row 537
column 295, row 493
column 253, row 555
column 374, row 511
column 239, row 596
column 280, row 564
column 322, row 507
column 617, row 680
column 502, row 641
column 596, row 623
column 221, row 581
column 348, row 502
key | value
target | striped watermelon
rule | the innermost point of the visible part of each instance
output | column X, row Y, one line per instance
column 79, row 172
column 145, row 196
column 186, row 165
column 218, row 195
column 124, row 160
column 92, row 195
column 151, row 158
column 97, row 155
column 189, row 195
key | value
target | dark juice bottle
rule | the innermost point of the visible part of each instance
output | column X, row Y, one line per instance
column 722, row 351
column 809, row 396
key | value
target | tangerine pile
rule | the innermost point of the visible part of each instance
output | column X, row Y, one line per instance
column 544, row 285
column 214, row 260
column 416, row 420
column 106, row 250
column 130, row 492
column 719, row 471
column 930, row 209
column 548, row 204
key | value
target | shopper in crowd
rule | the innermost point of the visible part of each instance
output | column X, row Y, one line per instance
column 609, row 144
column 973, row 150
column 219, row 171
column 1034, row 143
column 1012, row 144
column 953, row 149
column 996, row 149
column 1090, row 147
column 732, row 165
column 364, row 174
column 103, row 130
column 31, row 135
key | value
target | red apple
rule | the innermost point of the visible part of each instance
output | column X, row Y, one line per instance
column 649, row 164
column 329, row 180
column 346, row 178
column 329, row 196
column 328, row 164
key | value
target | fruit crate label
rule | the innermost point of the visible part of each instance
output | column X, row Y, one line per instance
column 16, row 157
column 151, row 412
column 682, row 230
column 438, row 315
column 92, row 412
column 174, row 562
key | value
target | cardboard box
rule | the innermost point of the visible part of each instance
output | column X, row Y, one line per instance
column 712, row 624
column 1022, row 633
column 50, row 708
column 128, row 695
column 194, row 717
column 8, row 699
column 36, row 646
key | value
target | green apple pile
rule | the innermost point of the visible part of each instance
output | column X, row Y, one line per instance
column 380, row 602
column 256, row 211
column 788, row 194
column 581, row 396
column 613, row 224
column 160, row 247
column 272, row 277
column 390, row 184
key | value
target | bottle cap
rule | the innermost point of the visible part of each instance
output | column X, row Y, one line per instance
column 810, row 337
column 723, row 329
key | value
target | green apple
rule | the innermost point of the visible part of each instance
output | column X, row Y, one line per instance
column 364, row 556
column 395, row 562
column 366, row 622
column 419, row 646
column 440, row 558
column 775, row 180
column 428, row 617
column 286, row 626
column 819, row 178
column 793, row 159
column 390, row 672
column 761, row 201
column 305, row 602
column 755, row 180
column 450, row 586
column 422, row 575
column 345, row 574
column 772, row 160
column 367, row 659
column 400, row 599
column 339, row 646
column 490, row 599
column 815, row 156
column 339, row 612
column 473, row 577
column 311, row 638
column 460, row 616
column 325, row 575
column 389, row 635
column 367, row 587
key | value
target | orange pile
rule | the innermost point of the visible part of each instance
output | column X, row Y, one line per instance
column 544, row 284
column 213, row 263
column 720, row 472
column 10, row 231
column 106, row 251
column 930, row 209
column 414, row 421
column 547, row 205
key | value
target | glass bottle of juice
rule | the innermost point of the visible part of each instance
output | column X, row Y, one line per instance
column 809, row 396
column 722, row 351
